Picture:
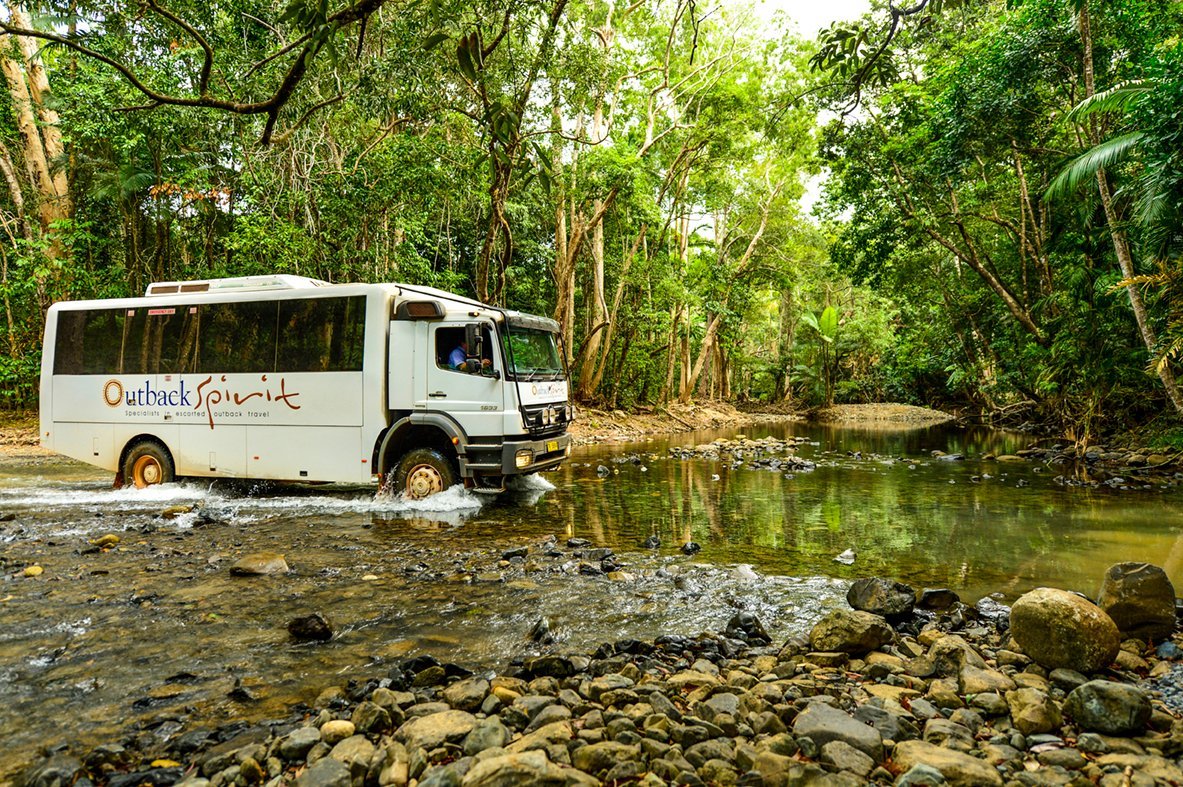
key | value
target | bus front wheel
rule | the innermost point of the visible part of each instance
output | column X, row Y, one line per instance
column 423, row 472
column 147, row 464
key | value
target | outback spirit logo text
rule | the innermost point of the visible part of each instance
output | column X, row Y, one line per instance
column 210, row 393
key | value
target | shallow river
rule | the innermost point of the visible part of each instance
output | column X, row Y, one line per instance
column 156, row 632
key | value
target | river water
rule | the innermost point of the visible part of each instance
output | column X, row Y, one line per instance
column 155, row 633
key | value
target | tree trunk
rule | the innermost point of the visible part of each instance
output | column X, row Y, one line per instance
column 1121, row 244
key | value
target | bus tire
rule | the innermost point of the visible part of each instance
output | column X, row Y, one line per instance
column 147, row 463
column 422, row 472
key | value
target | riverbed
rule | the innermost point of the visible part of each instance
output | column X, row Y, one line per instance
column 154, row 634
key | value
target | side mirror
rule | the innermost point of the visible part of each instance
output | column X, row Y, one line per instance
column 475, row 339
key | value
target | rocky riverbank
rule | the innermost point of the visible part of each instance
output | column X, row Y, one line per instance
column 900, row 688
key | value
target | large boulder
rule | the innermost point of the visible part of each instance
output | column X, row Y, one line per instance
column 1140, row 599
column 850, row 631
column 1110, row 708
column 1060, row 629
column 880, row 596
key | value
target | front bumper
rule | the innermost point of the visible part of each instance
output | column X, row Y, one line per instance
column 545, row 453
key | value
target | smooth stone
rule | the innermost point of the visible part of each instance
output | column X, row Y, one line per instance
column 1110, row 708
column 530, row 767
column 489, row 733
column 1060, row 629
column 822, row 723
column 960, row 770
column 467, row 694
column 600, row 757
column 337, row 730
column 921, row 775
column 355, row 751
column 433, row 730
column 845, row 757
column 297, row 742
column 325, row 772
column 850, row 631
column 259, row 564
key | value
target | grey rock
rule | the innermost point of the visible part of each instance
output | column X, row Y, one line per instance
column 600, row 757
column 880, row 596
column 1032, row 712
column 958, row 768
column 920, row 775
column 310, row 628
column 1140, row 599
column 892, row 726
column 850, row 631
column 467, row 694
column 295, row 745
column 948, row 735
column 511, row 770
column 430, row 731
column 372, row 718
column 823, row 723
column 845, row 757
column 548, row 715
column 747, row 627
column 488, row 733
column 326, row 772
column 937, row 599
column 57, row 769
column 1067, row 679
column 440, row 776
column 716, row 749
column 1109, row 708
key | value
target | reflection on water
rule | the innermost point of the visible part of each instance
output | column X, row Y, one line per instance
column 157, row 628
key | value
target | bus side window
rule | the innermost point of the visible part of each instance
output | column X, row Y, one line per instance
column 99, row 346
column 236, row 337
column 321, row 335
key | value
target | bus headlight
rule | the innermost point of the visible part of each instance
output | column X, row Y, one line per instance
column 523, row 458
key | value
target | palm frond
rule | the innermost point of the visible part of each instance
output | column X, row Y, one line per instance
column 1084, row 167
column 1118, row 98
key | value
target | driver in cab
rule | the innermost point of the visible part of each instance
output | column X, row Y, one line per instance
column 458, row 359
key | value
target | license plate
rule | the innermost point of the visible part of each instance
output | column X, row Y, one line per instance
column 552, row 446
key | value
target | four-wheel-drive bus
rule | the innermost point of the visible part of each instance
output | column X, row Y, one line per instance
column 294, row 379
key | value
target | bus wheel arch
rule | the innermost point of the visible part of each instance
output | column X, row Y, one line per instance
column 145, row 461
column 435, row 446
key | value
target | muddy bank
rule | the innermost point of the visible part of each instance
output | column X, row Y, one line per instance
column 886, row 415
column 611, row 426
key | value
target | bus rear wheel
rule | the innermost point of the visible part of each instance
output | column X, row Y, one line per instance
column 423, row 472
column 147, row 464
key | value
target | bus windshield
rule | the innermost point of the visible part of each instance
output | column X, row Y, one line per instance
column 533, row 354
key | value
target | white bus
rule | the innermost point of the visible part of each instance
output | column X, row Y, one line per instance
column 294, row 379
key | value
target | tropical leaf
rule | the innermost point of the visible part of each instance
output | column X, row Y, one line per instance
column 828, row 324
column 1116, row 99
column 1084, row 167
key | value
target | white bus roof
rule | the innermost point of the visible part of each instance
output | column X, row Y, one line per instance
column 279, row 281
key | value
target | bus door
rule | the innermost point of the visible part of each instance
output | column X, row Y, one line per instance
column 474, row 398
